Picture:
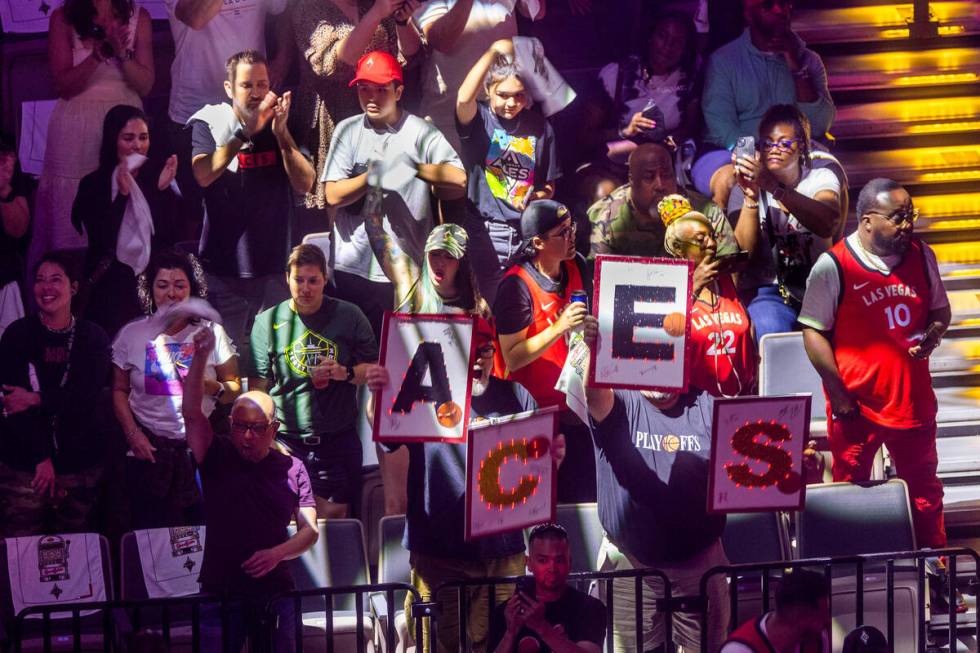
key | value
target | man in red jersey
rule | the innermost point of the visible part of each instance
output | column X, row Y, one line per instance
column 875, row 308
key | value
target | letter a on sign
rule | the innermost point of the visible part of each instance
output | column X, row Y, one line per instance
column 643, row 307
column 428, row 361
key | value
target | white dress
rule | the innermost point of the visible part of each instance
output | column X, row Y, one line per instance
column 72, row 150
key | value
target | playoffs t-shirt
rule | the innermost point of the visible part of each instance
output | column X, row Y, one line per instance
column 583, row 617
column 652, row 477
column 157, row 369
column 249, row 210
column 286, row 346
column 506, row 160
column 248, row 507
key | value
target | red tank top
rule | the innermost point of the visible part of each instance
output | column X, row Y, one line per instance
column 540, row 376
column 879, row 317
column 722, row 350
column 750, row 634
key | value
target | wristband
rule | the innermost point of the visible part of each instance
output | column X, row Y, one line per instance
column 350, row 374
column 130, row 433
column 240, row 135
column 780, row 192
column 219, row 392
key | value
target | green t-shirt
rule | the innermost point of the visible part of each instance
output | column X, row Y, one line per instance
column 615, row 229
column 287, row 345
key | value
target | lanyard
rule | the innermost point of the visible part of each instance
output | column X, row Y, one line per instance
column 63, row 383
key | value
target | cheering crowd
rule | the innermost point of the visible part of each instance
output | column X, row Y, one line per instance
column 393, row 155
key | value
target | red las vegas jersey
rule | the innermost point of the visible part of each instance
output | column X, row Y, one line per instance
column 878, row 318
column 722, row 350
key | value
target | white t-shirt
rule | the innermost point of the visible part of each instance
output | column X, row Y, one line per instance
column 406, row 205
column 823, row 285
column 157, row 369
column 443, row 72
column 664, row 90
column 786, row 225
column 735, row 647
column 197, row 74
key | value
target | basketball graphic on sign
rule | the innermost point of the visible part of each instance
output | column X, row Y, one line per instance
column 449, row 414
column 674, row 324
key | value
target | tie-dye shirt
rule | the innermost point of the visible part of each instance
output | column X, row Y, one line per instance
column 506, row 160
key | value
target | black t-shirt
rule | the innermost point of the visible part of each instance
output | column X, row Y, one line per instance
column 436, row 520
column 506, row 160
column 248, row 507
column 652, row 477
column 513, row 309
column 31, row 354
column 286, row 345
column 247, row 226
column 582, row 616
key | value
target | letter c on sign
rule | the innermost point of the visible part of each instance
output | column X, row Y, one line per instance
column 491, row 492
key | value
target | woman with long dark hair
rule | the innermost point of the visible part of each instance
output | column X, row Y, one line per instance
column 100, row 54
column 127, row 210
column 148, row 368
column 53, row 368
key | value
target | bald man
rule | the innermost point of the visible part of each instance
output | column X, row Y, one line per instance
column 251, row 493
column 625, row 222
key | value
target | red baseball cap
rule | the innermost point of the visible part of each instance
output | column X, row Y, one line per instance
column 377, row 68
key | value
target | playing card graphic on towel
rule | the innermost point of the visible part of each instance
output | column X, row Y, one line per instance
column 52, row 569
column 171, row 560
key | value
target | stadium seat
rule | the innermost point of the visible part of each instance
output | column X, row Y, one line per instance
column 338, row 559
column 581, row 520
column 753, row 537
column 62, row 639
column 393, row 567
column 842, row 519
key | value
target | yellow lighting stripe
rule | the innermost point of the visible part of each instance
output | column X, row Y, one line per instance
column 951, row 225
column 929, row 80
column 955, row 175
column 943, row 127
column 964, row 253
column 948, row 206
column 903, row 32
column 962, row 272
column 896, row 15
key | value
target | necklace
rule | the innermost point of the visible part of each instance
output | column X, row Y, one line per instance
column 874, row 259
column 67, row 329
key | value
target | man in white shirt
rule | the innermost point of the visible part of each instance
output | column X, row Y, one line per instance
column 416, row 158
column 459, row 32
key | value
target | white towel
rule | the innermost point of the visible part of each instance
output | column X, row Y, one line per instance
column 223, row 123
column 548, row 88
column 136, row 229
column 11, row 306
column 53, row 569
column 171, row 560
column 574, row 372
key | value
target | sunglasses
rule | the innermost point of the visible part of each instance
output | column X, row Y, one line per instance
column 900, row 217
column 783, row 144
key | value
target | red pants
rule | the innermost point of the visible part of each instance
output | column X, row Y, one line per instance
column 854, row 444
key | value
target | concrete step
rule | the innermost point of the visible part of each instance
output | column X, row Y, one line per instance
column 922, row 118
column 884, row 22
column 919, row 166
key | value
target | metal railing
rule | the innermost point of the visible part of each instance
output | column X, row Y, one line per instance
column 856, row 567
column 665, row 603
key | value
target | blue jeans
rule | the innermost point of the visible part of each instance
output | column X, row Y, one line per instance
column 247, row 618
column 491, row 244
column 769, row 312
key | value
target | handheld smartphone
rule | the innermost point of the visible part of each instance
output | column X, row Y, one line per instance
column 740, row 256
column 525, row 585
column 745, row 147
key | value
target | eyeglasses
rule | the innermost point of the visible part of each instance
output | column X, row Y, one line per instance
column 566, row 232
column 783, row 144
column 258, row 428
column 486, row 350
column 900, row 217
